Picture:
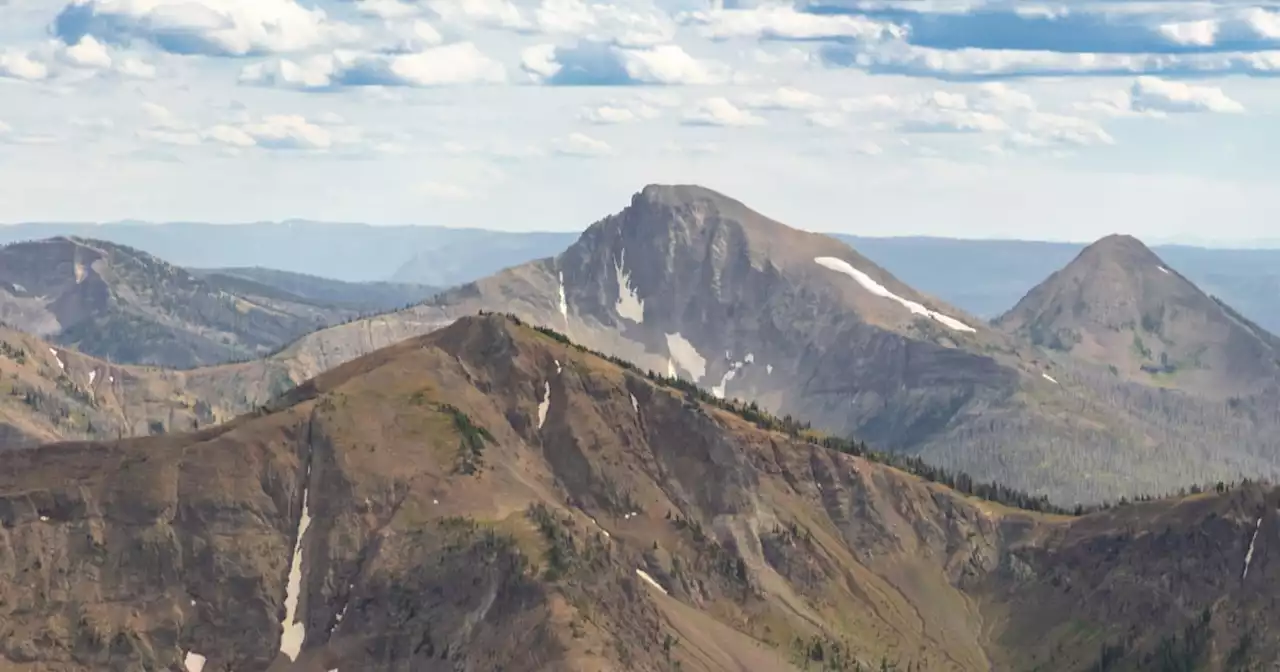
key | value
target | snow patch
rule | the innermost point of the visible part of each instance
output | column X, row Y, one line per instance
column 635, row 405
column 545, row 404
column 295, row 633
column 58, row 359
column 649, row 579
column 629, row 305
column 44, row 519
column 564, row 302
column 19, row 288
column 111, row 379
column 768, row 369
column 558, row 367
column 93, row 375
column 1248, row 556
column 686, row 356
column 1163, row 269
column 1049, row 378
column 194, row 662
column 602, row 530
column 749, row 359
column 719, row 390
column 841, row 266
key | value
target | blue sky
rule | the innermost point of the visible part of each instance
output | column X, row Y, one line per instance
column 970, row 118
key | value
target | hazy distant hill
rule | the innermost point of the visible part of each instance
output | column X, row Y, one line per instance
column 129, row 307
column 342, row 251
column 365, row 297
column 987, row 277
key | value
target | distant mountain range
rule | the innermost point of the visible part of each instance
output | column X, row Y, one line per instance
column 983, row 277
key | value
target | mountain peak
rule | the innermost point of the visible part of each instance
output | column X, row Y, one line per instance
column 1118, row 304
column 1122, row 248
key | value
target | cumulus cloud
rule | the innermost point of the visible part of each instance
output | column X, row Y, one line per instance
column 719, row 111
column 785, row 98
column 580, row 144
column 207, row 27
column 452, row 64
column 1152, row 93
column 1044, row 129
column 268, row 132
column 486, row 13
column 899, row 57
column 775, row 22
column 598, row 64
column 619, row 112
column 16, row 64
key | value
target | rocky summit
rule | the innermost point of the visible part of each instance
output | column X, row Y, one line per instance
column 1120, row 305
column 492, row 497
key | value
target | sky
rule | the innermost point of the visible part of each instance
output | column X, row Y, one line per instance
column 961, row 118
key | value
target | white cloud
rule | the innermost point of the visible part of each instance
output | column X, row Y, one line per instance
column 241, row 131
column 445, row 191
column 1152, row 93
column 604, row 64
column 628, row 24
column 900, row 57
column 211, row 27
column 486, row 13
column 719, row 111
column 825, row 119
column 88, row 53
column 19, row 65
column 1045, row 129
column 944, row 120
column 452, row 64
column 785, row 98
column 579, row 144
column 619, row 113
column 786, row 23
column 387, row 9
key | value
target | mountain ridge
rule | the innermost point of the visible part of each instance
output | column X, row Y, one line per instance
column 489, row 496
column 119, row 303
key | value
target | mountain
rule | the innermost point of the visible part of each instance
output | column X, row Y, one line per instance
column 465, row 258
column 491, row 497
column 360, row 297
column 121, row 304
column 810, row 328
column 50, row 393
column 349, row 252
column 1117, row 303
column 982, row 277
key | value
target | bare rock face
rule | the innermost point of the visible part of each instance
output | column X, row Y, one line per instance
column 1120, row 305
column 492, row 497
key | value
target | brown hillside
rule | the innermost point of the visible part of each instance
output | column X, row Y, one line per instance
column 488, row 497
